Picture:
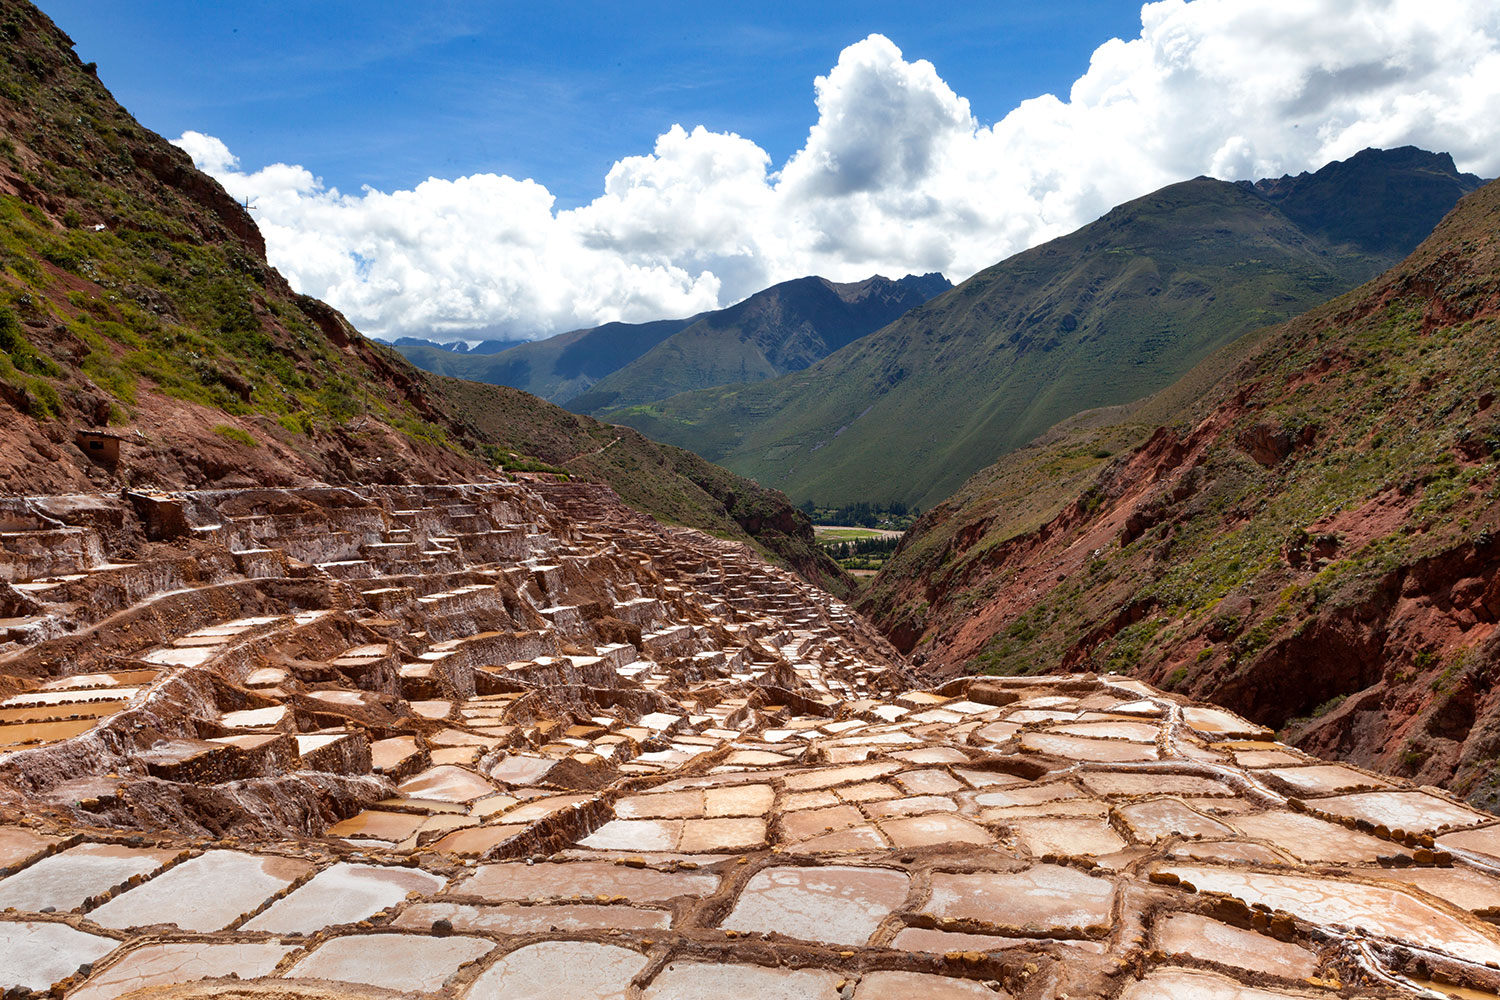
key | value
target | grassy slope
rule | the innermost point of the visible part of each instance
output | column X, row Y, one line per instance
column 1101, row 317
column 1360, row 565
column 782, row 329
column 134, row 292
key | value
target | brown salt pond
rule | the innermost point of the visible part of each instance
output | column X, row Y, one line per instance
column 511, row 918
column 405, row 962
column 378, row 824
column 1211, row 941
column 1067, row 836
column 19, row 845
column 340, row 894
column 1040, row 899
column 1485, row 841
column 205, row 893
column 933, row 829
column 1125, row 784
column 27, row 733
column 564, row 970
column 716, row 836
column 63, row 881
column 907, row 985
column 1193, row 984
column 547, row 880
column 1376, row 909
column 447, row 783
column 834, row 904
column 178, row 962
column 700, row 980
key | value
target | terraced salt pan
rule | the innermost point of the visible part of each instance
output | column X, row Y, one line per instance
column 511, row 918
column 205, row 893
column 447, row 783
column 34, row 955
column 546, row 880
column 910, row 985
column 1310, row 839
column 833, row 904
column 254, row 718
column 1067, row 836
column 699, row 980
column 932, row 829
column 1041, row 898
column 178, row 962
column 405, row 962
column 1484, row 841
column 1192, row 984
column 1463, row 887
column 1083, row 748
column 1212, row 941
column 1414, row 812
column 1325, row 779
column 18, row 845
column 340, row 894
column 1376, row 909
column 63, row 881
column 563, row 970
column 1160, row 818
column 1136, row 732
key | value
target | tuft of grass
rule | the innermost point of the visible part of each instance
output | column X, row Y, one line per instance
column 236, row 434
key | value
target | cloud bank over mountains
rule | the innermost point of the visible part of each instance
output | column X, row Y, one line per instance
column 897, row 174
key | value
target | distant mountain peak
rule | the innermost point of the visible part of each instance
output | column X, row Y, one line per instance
column 1380, row 200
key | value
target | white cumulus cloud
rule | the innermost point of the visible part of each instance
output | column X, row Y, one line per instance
column 896, row 175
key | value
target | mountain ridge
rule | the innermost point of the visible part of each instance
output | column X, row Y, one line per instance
column 780, row 328
column 1101, row 316
column 1308, row 530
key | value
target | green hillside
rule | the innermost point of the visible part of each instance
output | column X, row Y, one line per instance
column 136, row 300
column 1305, row 529
column 782, row 329
column 1106, row 315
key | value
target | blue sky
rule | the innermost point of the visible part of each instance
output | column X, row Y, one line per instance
column 475, row 170
column 388, row 94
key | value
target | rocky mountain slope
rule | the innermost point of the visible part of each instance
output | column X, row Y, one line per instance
column 136, row 301
column 778, row 330
column 1111, row 313
column 1306, row 529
